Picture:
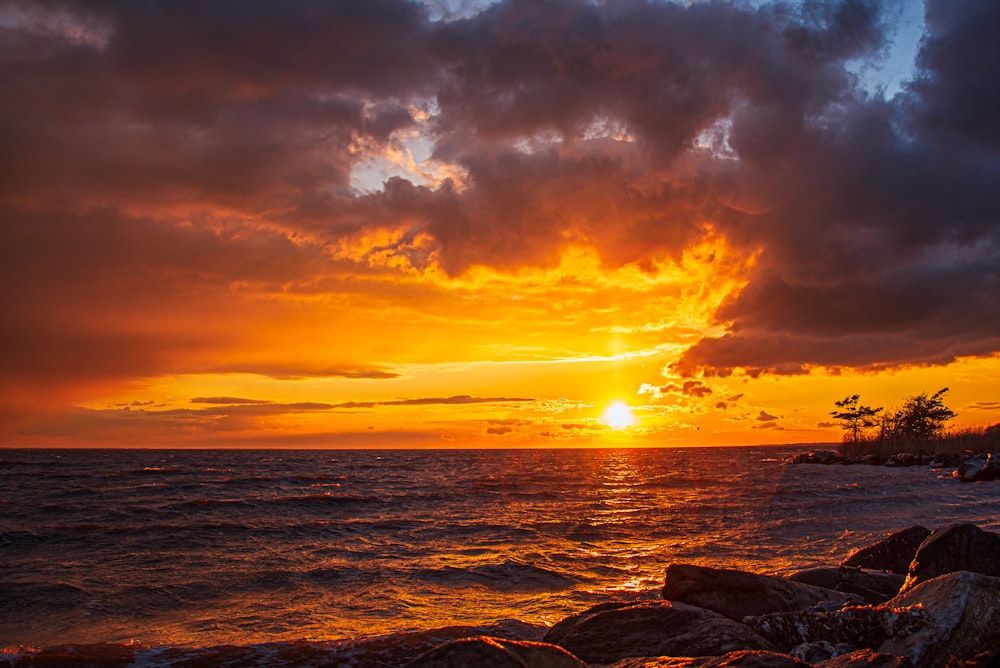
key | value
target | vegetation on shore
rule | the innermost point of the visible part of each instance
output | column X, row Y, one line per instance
column 919, row 425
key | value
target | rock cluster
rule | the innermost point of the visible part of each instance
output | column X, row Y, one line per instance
column 975, row 468
column 917, row 598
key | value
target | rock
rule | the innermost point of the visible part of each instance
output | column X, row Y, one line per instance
column 979, row 468
column 964, row 610
column 943, row 460
column 487, row 652
column 893, row 553
column 821, row 650
column 845, row 630
column 960, row 547
column 610, row 632
column 865, row 658
column 903, row 459
column 873, row 587
column 737, row 594
column 955, row 616
column 817, row 457
column 742, row 659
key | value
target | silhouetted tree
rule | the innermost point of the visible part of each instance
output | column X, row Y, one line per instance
column 921, row 418
column 855, row 416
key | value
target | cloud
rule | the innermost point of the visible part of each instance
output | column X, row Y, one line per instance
column 691, row 388
column 764, row 416
column 884, row 250
column 984, row 406
column 461, row 399
column 291, row 371
column 155, row 189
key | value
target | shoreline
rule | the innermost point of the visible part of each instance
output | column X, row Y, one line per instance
column 966, row 467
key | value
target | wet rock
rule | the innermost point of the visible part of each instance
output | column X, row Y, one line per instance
column 611, row 632
column 487, row 652
column 873, row 587
column 845, row 630
column 821, row 650
column 893, row 553
column 866, row 658
column 964, row 610
column 737, row 594
column 742, row 659
column 960, row 547
column 817, row 457
column 980, row 468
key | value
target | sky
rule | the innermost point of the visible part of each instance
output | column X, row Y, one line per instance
column 385, row 223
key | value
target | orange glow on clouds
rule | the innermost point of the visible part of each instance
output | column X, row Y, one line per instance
column 480, row 233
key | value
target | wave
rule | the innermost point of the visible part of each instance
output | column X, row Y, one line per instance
column 160, row 469
column 290, row 500
column 508, row 576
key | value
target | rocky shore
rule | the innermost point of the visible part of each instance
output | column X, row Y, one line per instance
column 915, row 598
column 967, row 467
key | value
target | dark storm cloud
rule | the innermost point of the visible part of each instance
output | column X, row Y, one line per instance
column 883, row 248
column 191, row 142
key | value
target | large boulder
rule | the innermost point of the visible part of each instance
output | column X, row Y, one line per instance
column 845, row 630
column 964, row 611
column 487, row 652
column 893, row 553
column 741, row 659
column 873, row 586
column 738, row 594
column 610, row 632
column 960, row 547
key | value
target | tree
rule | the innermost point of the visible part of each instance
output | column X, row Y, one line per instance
column 855, row 416
column 922, row 418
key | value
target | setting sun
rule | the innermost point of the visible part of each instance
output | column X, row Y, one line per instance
column 618, row 416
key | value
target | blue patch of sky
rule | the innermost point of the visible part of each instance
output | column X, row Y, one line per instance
column 889, row 73
column 885, row 75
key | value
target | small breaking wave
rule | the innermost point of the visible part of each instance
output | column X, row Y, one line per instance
column 508, row 576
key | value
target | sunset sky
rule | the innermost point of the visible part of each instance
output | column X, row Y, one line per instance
column 460, row 223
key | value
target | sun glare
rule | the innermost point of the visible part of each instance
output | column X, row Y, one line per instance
column 618, row 416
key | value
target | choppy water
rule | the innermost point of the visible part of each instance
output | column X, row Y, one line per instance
column 201, row 548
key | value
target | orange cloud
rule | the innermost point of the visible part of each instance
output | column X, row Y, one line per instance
column 703, row 187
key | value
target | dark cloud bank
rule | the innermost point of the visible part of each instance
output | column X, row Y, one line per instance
column 166, row 148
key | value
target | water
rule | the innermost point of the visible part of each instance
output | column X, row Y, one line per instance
column 203, row 548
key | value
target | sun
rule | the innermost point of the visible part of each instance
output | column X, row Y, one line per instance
column 618, row 416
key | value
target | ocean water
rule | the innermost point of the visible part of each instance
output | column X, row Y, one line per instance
column 205, row 548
